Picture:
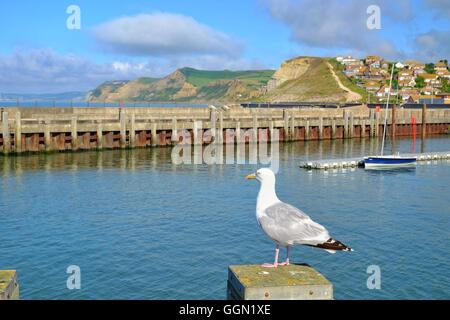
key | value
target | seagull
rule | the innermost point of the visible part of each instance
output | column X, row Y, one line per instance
column 285, row 224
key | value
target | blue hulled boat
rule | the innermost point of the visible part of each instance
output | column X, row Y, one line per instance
column 392, row 161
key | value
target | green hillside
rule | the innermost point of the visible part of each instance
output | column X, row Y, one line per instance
column 200, row 78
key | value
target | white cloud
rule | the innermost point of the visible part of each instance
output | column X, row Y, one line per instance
column 339, row 25
column 159, row 34
column 47, row 71
column 44, row 70
column 433, row 45
column 442, row 7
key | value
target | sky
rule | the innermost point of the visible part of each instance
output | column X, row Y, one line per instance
column 47, row 47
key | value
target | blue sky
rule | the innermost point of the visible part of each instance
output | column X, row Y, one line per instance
column 128, row 39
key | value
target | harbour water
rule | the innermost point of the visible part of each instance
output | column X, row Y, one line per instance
column 141, row 227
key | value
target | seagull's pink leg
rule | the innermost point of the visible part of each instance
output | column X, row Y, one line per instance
column 285, row 263
column 275, row 263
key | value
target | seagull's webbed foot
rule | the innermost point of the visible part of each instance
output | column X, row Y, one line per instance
column 270, row 265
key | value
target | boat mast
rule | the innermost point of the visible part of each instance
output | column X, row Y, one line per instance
column 386, row 112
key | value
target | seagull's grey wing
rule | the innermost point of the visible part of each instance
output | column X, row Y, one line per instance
column 288, row 225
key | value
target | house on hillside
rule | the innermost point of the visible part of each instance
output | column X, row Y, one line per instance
column 443, row 73
column 440, row 66
column 372, row 86
column 405, row 94
column 383, row 92
column 374, row 61
column 431, row 79
column 349, row 60
column 427, row 91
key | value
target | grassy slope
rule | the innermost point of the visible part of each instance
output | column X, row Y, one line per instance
column 316, row 83
column 339, row 68
column 200, row 78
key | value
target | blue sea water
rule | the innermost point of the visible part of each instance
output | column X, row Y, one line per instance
column 140, row 227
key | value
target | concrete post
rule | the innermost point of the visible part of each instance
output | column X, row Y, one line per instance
column 220, row 133
column 351, row 125
column 6, row 134
column 286, row 125
column 74, row 132
column 213, row 120
column 293, row 282
column 123, row 128
column 196, row 133
column 174, row 136
column 333, row 128
column 307, row 130
column 9, row 286
column 320, row 127
column 346, row 131
column 372, row 122
column 424, row 121
column 292, row 130
column 99, row 135
column 255, row 129
column 377, row 124
column 271, row 129
column 47, row 136
column 133, row 130
column 363, row 128
column 18, row 133
column 154, row 141
column 238, row 132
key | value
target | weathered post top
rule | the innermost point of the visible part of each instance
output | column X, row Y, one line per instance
column 293, row 282
column 9, row 287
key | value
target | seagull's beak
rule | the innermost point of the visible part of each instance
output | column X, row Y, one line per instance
column 250, row 176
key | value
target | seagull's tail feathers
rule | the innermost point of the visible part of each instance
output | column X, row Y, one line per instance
column 333, row 245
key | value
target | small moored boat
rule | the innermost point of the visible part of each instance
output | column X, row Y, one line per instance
column 391, row 161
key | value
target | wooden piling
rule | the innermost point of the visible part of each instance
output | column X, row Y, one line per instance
column 18, row 133
column 5, row 133
column 293, row 282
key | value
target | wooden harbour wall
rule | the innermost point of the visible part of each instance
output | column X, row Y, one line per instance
column 60, row 129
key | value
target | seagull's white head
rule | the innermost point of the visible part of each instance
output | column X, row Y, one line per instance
column 263, row 175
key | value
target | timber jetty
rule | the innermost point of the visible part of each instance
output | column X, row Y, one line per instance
column 30, row 129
